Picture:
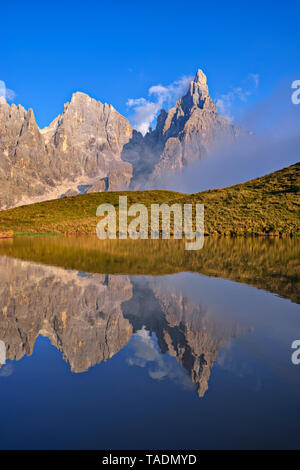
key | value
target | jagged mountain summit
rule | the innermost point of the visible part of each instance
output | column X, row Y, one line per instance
column 91, row 147
column 185, row 133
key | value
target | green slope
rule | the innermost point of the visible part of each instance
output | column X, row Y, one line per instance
column 269, row 205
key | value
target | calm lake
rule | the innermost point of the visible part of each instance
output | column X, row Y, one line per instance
column 142, row 344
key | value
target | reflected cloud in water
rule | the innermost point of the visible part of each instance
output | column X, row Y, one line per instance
column 146, row 354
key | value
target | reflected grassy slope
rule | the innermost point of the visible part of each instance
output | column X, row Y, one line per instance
column 270, row 264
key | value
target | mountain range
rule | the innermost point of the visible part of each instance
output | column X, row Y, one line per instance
column 90, row 147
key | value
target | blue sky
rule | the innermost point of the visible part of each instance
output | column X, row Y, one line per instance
column 116, row 50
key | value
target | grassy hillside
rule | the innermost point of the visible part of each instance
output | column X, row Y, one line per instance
column 264, row 206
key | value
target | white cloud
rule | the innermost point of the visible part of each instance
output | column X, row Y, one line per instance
column 2, row 88
column 146, row 110
column 10, row 94
column 7, row 93
column 226, row 101
column 6, row 370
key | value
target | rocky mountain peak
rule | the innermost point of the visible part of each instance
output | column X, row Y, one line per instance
column 185, row 133
column 80, row 95
column 82, row 98
column 197, row 94
column 79, row 102
column 30, row 118
column 200, row 78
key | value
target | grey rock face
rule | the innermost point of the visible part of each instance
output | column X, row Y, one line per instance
column 80, row 146
column 98, row 187
column 71, row 192
column 90, row 135
column 91, row 144
column 21, row 149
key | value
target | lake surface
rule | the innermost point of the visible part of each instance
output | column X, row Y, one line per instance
column 127, row 345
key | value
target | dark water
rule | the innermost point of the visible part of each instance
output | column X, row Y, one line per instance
column 144, row 345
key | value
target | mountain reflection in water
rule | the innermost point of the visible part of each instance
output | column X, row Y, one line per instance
column 93, row 299
column 89, row 318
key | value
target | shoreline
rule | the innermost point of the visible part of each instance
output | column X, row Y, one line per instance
column 216, row 235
